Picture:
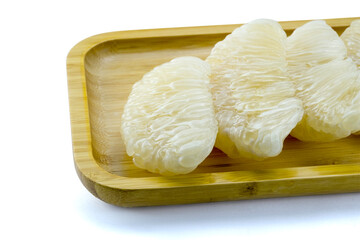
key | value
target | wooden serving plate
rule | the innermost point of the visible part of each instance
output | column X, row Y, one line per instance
column 101, row 71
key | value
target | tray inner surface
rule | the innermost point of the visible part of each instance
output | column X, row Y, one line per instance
column 111, row 69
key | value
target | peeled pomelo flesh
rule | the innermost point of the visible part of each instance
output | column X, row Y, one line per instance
column 351, row 38
column 254, row 100
column 326, row 81
column 168, row 125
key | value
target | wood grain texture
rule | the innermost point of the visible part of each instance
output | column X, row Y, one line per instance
column 101, row 71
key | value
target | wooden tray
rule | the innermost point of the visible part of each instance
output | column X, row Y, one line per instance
column 101, row 71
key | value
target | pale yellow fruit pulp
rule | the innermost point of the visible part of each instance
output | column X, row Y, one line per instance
column 168, row 125
column 327, row 82
column 351, row 38
column 254, row 99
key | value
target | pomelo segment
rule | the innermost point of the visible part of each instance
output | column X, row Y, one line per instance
column 326, row 81
column 168, row 125
column 254, row 99
column 351, row 38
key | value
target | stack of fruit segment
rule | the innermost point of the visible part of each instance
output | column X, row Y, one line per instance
column 263, row 86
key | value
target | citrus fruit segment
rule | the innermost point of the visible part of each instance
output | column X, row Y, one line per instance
column 327, row 82
column 168, row 125
column 351, row 38
column 254, row 100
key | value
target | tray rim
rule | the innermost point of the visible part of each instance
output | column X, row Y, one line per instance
column 93, row 176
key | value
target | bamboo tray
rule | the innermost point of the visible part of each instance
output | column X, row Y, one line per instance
column 101, row 71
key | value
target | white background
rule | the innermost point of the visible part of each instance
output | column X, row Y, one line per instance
column 41, row 195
